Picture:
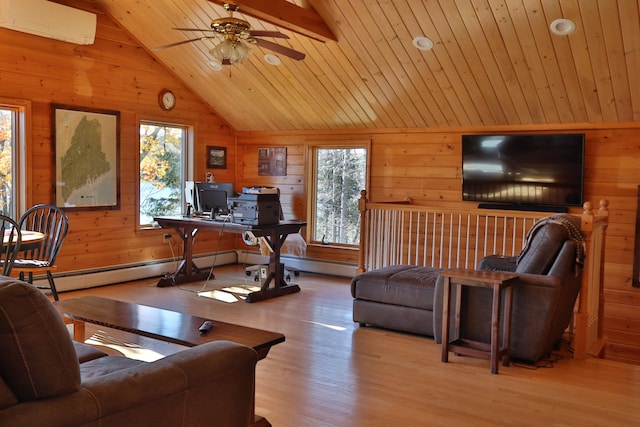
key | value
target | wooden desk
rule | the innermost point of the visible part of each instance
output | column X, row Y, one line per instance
column 187, row 271
column 499, row 346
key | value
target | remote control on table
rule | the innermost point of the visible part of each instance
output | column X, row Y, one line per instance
column 206, row 327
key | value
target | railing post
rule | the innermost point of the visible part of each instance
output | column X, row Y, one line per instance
column 591, row 290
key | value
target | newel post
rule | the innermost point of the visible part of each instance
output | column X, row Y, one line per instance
column 590, row 313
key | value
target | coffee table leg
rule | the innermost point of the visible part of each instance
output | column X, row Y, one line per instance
column 78, row 330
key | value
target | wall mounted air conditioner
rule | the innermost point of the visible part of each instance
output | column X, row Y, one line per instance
column 46, row 19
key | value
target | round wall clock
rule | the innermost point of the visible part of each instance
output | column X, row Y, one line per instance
column 167, row 99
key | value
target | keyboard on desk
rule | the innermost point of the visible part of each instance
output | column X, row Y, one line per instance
column 220, row 218
column 216, row 217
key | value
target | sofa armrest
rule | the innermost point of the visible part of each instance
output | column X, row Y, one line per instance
column 213, row 381
column 211, row 384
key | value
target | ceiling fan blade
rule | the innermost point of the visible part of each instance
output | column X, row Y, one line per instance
column 193, row 29
column 179, row 43
column 294, row 54
column 263, row 33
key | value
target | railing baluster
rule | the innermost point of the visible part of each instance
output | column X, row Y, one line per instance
column 408, row 234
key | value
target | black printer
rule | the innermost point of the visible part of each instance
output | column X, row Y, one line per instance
column 255, row 208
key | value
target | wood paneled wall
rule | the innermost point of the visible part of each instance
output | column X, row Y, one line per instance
column 115, row 73
column 424, row 165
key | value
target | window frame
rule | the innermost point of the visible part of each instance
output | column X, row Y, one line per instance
column 312, row 186
column 188, row 162
column 21, row 144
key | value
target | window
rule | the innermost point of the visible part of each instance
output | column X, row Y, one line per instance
column 339, row 175
column 163, row 170
column 9, row 150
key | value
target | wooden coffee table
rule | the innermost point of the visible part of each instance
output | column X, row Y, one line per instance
column 160, row 324
column 164, row 325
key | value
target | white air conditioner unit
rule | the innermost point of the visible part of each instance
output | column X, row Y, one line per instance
column 46, row 19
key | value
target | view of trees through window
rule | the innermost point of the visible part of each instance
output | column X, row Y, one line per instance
column 340, row 175
column 7, row 119
column 161, row 170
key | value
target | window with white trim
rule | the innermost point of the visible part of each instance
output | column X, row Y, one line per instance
column 10, row 144
column 163, row 170
column 339, row 173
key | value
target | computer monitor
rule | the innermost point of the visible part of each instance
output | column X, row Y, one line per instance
column 190, row 196
column 212, row 196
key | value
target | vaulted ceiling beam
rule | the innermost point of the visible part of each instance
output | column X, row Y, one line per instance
column 286, row 15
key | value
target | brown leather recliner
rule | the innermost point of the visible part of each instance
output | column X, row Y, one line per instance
column 549, row 275
column 44, row 383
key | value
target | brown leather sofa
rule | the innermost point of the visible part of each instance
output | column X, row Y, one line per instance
column 409, row 298
column 46, row 379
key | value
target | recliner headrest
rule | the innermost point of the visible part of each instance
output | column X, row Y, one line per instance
column 542, row 249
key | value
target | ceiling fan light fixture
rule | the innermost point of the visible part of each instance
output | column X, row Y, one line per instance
column 230, row 51
column 422, row 43
column 272, row 59
column 215, row 65
column 562, row 27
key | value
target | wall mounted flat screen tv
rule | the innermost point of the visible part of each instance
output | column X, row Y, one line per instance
column 538, row 171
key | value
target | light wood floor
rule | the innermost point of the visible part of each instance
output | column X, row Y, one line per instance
column 330, row 372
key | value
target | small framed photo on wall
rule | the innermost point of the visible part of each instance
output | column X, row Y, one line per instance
column 216, row 157
column 272, row 161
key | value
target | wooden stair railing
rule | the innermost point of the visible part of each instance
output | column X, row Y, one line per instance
column 400, row 233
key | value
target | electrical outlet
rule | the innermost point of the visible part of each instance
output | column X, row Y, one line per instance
column 166, row 238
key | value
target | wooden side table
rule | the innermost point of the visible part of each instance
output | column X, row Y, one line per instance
column 500, row 340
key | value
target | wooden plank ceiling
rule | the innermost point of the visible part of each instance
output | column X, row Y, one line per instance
column 494, row 62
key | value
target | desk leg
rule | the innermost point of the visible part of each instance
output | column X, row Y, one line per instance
column 187, row 270
column 276, row 273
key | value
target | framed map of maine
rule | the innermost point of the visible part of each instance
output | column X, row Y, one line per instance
column 87, row 155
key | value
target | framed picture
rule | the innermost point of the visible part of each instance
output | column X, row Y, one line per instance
column 87, row 157
column 216, row 157
column 272, row 161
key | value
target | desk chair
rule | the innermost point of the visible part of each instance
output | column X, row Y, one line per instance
column 294, row 244
column 11, row 240
column 54, row 224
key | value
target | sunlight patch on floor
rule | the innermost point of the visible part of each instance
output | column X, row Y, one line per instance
column 230, row 294
column 219, row 296
column 127, row 349
column 335, row 328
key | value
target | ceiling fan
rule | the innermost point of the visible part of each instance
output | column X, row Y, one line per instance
column 235, row 34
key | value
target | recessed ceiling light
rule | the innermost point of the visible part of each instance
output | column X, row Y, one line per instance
column 272, row 59
column 562, row 27
column 215, row 65
column 422, row 43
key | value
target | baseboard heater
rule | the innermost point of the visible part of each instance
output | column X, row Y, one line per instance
column 85, row 279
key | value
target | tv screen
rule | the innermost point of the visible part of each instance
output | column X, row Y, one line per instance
column 524, row 170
